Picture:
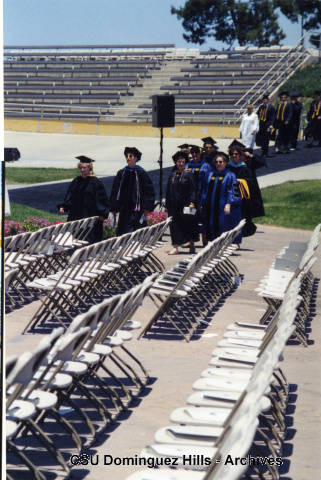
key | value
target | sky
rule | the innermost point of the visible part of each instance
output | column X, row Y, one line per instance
column 81, row 22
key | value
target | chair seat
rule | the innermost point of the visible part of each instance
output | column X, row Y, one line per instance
column 220, row 383
column 60, row 380
column 227, row 373
column 211, row 398
column 113, row 341
column 200, row 416
column 123, row 335
column 20, row 410
column 195, row 435
column 42, row 400
column 131, row 325
column 219, row 351
column 11, row 428
column 101, row 349
column 88, row 357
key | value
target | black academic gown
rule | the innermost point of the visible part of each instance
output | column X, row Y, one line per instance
column 132, row 193
column 86, row 197
column 181, row 191
column 266, row 114
column 314, row 118
column 282, row 119
column 295, row 123
column 252, row 207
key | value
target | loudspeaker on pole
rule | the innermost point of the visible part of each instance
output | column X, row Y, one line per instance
column 163, row 111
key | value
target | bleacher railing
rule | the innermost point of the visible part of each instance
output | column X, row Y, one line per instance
column 274, row 77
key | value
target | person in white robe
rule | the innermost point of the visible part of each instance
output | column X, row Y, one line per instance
column 249, row 127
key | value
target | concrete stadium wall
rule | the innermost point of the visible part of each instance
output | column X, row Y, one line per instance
column 119, row 129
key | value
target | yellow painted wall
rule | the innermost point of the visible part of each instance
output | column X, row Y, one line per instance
column 119, row 129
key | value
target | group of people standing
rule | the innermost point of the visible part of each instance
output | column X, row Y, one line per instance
column 281, row 124
column 206, row 193
column 209, row 192
column 132, row 196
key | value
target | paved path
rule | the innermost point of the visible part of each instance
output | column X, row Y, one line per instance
column 58, row 150
column 174, row 366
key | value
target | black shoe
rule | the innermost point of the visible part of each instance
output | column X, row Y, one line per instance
column 269, row 156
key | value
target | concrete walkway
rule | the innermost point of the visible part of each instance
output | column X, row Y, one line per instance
column 174, row 365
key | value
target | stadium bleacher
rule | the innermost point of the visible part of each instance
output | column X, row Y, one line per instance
column 117, row 82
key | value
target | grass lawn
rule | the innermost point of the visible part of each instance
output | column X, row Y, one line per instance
column 292, row 204
column 21, row 212
column 18, row 175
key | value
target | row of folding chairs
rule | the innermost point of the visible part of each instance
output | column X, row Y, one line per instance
column 293, row 260
column 41, row 253
column 237, row 410
column 96, row 271
column 82, row 380
column 186, row 294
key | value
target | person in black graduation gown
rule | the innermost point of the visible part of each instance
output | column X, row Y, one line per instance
column 296, row 119
column 282, row 119
column 132, row 194
column 313, row 130
column 210, row 148
column 266, row 113
column 244, row 164
column 182, row 192
column 86, row 197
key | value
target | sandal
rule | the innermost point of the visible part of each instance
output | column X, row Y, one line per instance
column 173, row 252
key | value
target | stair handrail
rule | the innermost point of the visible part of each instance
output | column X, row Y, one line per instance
column 266, row 79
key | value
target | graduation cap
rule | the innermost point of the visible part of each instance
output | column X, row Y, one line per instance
column 265, row 97
column 84, row 159
column 236, row 144
column 209, row 140
column 317, row 92
column 294, row 94
column 185, row 146
column 195, row 149
column 134, row 151
column 178, row 155
column 284, row 92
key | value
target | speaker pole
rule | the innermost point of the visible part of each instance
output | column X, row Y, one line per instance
column 161, row 167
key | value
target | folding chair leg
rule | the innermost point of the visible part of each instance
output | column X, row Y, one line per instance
column 33, row 469
column 48, row 444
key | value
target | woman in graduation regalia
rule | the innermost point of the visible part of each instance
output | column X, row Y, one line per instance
column 220, row 204
column 86, row 197
column 243, row 164
column 182, row 192
column 196, row 163
column 132, row 194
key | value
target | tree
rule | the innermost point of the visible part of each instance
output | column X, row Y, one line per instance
column 308, row 12
column 252, row 22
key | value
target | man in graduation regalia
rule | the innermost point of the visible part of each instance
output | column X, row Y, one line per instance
column 296, row 119
column 313, row 130
column 282, row 121
column 249, row 127
column 265, row 113
column 86, row 197
column 132, row 194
